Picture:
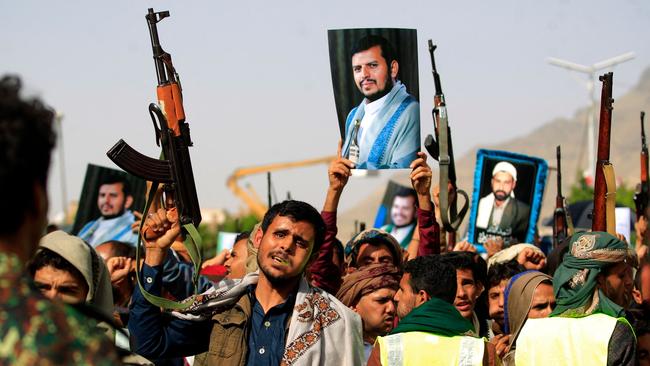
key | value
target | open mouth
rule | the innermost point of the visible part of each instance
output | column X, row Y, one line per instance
column 280, row 260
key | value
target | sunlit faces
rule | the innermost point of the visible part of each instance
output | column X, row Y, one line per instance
column 405, row 298
column 377, row 312
column 371, row 73
column 495, row 302
column 543, row 301
column 402, row 213
column 284, row 248
column 236, row 263
column 617, row 283
column 373, row 254
column 467, row 292
column 56, row 283
column 111, row 200
column 502, row 185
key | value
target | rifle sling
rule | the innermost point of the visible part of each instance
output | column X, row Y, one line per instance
column 192, row 243
column 610, row 197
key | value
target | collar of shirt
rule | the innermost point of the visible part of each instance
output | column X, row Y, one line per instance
column 268, row 331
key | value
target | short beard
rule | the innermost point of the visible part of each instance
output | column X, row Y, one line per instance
column 500, row 196
column 381, row 93
column 108, row 217
column 277, row 281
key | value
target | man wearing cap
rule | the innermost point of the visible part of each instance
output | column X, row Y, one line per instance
column 593, row 287
column 500, row 214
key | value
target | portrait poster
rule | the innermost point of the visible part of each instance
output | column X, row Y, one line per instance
column 376, row 92
column 507, row 197
column 88, row 209
column 397, row 212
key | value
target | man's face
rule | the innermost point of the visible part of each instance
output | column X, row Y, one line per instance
column 495, row 302
column 617, row 284
column 236, row 264
column 111, row 200
column 60, row 284
column 284, row 248
column 403, row 211
column 373, row 254
column 372, row 74
column 467, row 292
column 377, row 312
column 543, row 301
column 405, row 297
column 502, row 185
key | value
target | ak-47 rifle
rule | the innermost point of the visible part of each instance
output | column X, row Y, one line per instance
column 561, row 220
column 441, row 149
column 605, row 183
column 174, row 169
column 643, row 189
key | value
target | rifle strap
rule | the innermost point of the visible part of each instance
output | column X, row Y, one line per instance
column 192, row 243
column 449, row 222
column 610, row 198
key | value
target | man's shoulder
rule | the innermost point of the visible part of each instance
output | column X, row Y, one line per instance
column 33, row 326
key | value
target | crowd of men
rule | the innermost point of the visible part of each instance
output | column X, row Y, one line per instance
column 291, row 293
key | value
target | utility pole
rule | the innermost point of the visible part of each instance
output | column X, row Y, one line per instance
column 591, row 72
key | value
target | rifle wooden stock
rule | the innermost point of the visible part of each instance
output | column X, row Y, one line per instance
column 604, row 186
column 174, row 169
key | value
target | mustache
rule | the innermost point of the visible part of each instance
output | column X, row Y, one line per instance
column 367, row 80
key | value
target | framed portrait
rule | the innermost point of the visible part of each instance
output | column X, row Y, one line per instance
column 376, row 92
column 96, row 175
column 397, row 213
column 507, row 197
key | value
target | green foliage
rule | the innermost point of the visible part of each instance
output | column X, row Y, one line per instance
column 580, row 191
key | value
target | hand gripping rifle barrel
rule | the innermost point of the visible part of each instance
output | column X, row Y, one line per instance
column 174, row 168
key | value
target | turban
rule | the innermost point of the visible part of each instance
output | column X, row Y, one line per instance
column 574, row 281
column 366, row 280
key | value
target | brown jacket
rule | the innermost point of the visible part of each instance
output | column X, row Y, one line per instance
column 229, row 336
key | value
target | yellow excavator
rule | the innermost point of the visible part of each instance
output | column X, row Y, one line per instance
column 250, row 197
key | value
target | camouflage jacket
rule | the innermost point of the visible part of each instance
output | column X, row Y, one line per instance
column 35, row 330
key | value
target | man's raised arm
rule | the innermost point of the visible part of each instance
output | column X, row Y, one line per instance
column 324, row 273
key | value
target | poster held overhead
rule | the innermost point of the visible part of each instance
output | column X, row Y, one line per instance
column 375, row 82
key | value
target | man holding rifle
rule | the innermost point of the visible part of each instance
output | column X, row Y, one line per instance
column 267, row 318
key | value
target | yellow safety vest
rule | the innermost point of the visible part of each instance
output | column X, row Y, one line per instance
column 427, row 349
column 565, row 341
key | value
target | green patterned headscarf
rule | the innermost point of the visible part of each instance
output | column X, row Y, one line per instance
column 574, row 283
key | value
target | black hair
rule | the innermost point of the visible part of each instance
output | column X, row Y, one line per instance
column 298, row 211
column 243, row 235
column 120, row 249
column 468, row 260
column 26, row 142
column 46, row 257
column 114, row 178
column 338, row 249
column 371, row 40
column 435, row 276
column 503, row 271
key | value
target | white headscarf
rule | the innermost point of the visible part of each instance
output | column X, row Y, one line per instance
column 84, row 258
